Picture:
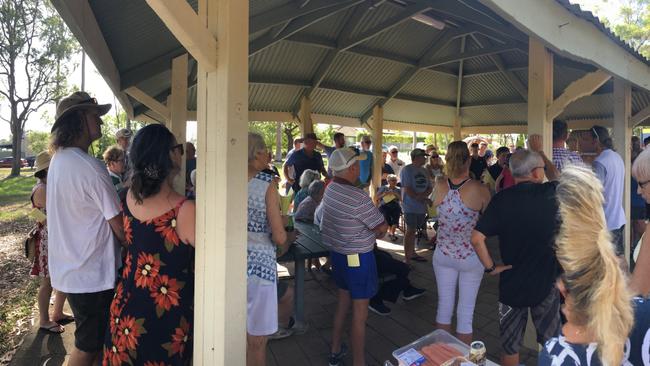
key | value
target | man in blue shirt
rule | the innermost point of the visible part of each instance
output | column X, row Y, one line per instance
column 303, row 159
column 416, row 188
column 365, row 166
column 339, row 142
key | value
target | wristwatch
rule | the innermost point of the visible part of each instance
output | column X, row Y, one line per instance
column 491, row 269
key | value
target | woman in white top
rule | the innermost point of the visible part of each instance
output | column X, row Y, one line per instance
column 460, row 200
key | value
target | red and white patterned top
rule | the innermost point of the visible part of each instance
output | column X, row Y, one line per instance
column 456, row 222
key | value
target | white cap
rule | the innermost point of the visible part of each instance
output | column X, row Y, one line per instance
column 344, row 158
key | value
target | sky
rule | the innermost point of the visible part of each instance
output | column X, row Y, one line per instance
column 96, row 86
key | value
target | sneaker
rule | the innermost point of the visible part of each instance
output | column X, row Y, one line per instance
column 412, row 293
column 335, row 358
column 281, row 333
column 379, row 308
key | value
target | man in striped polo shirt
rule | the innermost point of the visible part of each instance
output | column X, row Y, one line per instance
column 350, row 225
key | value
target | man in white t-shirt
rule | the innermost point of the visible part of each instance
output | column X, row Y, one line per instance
column 84, row 221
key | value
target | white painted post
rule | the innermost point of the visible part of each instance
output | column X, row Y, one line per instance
column 377, row 140
column 278, row 142
column 540, row 92
column 415, row 139
column 305, row 115
column 177, row 104
column 622, row 135
column 222, row 114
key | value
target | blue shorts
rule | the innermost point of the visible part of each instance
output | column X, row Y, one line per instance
column 360, row 281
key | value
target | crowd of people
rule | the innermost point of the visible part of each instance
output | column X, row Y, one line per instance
column 117, row 241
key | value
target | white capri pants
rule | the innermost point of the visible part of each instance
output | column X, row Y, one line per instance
column 467, row 275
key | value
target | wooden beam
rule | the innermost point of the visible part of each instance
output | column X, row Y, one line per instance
column 377, row 141
column 622, row 136
column 459, row 85
column 304, row 115
column 576, row 90
column 186, row 26
column 573, row 37
column 148, row 101
column 468, row 130
column 299, row 24
column 222, row 103
column 145, row 118
column 640, row 117
column 177, row 105
column 540, row 92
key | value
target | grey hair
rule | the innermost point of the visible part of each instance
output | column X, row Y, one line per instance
column 316, row 188
column 391, row 177
column 641, row 166
column 308, row 176
column 255, row 144
column 338, row 173
column 523, row 162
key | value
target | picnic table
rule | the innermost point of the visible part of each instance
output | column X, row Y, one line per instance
column 308, row 245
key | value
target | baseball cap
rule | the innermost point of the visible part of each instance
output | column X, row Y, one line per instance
column 418, row 152
column 393, row 148
column 311, row 135
column 123, row 132
column 344, row 157
column 78, row 101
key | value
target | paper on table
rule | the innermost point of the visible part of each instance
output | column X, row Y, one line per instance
column 388, row 198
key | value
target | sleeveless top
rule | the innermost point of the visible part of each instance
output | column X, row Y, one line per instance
column 456, row 224
column 151, row 317
column 39, row 265
column 261, row 250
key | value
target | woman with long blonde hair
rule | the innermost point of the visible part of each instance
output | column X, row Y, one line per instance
column 598, row 305
column 460, row 200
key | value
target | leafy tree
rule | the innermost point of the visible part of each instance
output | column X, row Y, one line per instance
column 635, row 26
column 37, row 141
column 112, row 123
column 35, row 52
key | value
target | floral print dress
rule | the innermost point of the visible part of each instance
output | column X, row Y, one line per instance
column 151, row 316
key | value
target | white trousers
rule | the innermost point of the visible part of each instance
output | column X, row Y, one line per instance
column 466, row 274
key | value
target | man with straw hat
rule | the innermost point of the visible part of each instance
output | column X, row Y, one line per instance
column 84, row 221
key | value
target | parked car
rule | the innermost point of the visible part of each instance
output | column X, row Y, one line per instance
column 7, row 162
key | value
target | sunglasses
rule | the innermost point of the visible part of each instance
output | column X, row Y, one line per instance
column 181, row 147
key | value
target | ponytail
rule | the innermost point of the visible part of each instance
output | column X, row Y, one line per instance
column 593, row 276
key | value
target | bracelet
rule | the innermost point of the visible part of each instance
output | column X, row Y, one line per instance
column 491, row 269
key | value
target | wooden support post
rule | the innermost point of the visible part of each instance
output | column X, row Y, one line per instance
column 222, row 114
column 415, row 140
column 278, row 141
column 622, row 135
column 305, row 115
column 177, row 105
column 377, row 141
column 540, row 92
column 457, row 128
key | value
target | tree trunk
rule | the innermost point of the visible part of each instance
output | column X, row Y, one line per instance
column 16, row 143
column 289, row 133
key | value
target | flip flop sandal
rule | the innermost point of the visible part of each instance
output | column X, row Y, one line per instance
column 418, row 258
column 65, row 320
column 52, row 329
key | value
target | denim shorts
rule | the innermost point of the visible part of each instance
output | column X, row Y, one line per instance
column 360, row 281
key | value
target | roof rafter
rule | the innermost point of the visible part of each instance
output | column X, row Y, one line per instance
column 459, row 87
column 287, row 12
column 470, row 54
column 509, row 75
column 298, row 24
column 437, row 43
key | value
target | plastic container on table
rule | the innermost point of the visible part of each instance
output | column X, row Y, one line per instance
column 437, row 336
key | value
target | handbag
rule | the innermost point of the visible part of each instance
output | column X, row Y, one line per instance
column 30, row 243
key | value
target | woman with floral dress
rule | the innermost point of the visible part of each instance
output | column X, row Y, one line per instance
column 39, row 266
column 151, row 316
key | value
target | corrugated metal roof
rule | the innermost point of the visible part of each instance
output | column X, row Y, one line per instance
column 337, row 103
column 495, row 115
column 353, row 70
column 275, row 98
column 137, row 28
column 432, row 84
column 299, row 61
column 486, row 88
column 260, row 6
column 374, row 16
column 410, row 39
column 330, row 27
column 589, row 16
column 415, row 112
column 640, row 100
column 593, row 106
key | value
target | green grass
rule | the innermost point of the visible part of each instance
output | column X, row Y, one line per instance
column 15, row 314
column 14, row 196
